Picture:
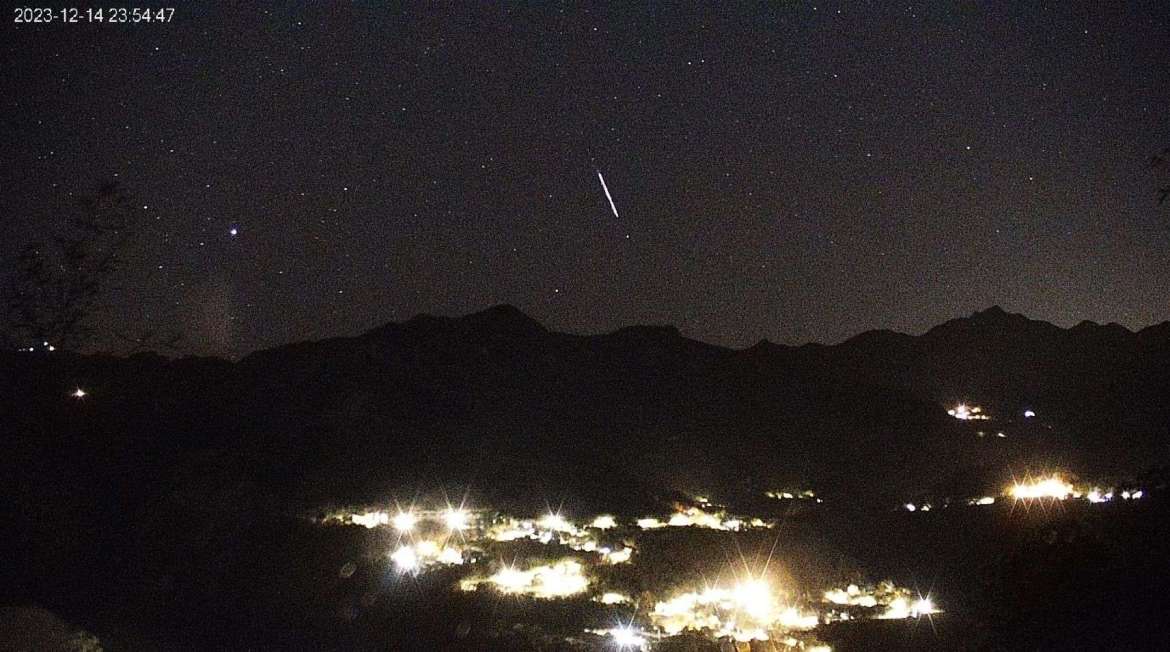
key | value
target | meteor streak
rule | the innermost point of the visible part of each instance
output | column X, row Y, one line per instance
column 607, row 195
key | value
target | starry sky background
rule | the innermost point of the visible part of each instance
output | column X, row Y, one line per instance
column 800, row 172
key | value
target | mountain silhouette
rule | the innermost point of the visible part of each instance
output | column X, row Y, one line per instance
column 496, row 401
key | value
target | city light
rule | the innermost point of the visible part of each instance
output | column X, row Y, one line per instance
column 749, row 610
column 603, row 522
column 965, row 412
column 456, row 519
column 628, row 638
column 612, row 597
column 370, row 520
column 405, row 521
column 559, row 580
column 555, row 522
column 1050, row 487
column 405, row 559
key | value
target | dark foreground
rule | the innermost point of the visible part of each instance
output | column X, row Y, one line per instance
column 146, row 570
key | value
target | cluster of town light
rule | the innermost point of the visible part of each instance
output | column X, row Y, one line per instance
column 626, row 637
column 748, row 610
column 965, row 412
column 698, row 517
column 411, row 558
column 1047, row 487
column 612, row 597
column 804, row 494
column 892, row 601
column 442, row 538
column 554, row 528
column 752, row 609
column 559, row 580
column 1055, row 487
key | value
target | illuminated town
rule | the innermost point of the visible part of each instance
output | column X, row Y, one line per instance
column 569, row 564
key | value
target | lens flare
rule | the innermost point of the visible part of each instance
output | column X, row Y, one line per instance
column 456, row 519
column 1050, row 487
column 405, row 521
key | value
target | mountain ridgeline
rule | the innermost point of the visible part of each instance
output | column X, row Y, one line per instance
column 497, row 403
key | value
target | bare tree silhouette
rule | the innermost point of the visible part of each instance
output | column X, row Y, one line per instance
column 59, row 282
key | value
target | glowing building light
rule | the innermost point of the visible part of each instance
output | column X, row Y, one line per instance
column 78, row 393
column 559, row 580
column 450, row 556
column 628, row 638
column 696, row 517
column 837, row 596
column 510, row 580
column 898, row 609
column 754, row 597
column 603, row 522
column 427, row 549
column 851, row 596
column 456, row 519
column 748, row 611
column 901, row 607
column 618, row 556
column 1028, row 414
column 405, row 559
column 910, row 507
column 791, row 618
column 1051, row 487
column 405, row 521
column 512, row 530
column 556, row 523
column 922, row 607
column 412, row 559
column 370, row 520
column 964, row 412
column 611, row 597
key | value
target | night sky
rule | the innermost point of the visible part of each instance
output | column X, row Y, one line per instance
column 798, row 173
